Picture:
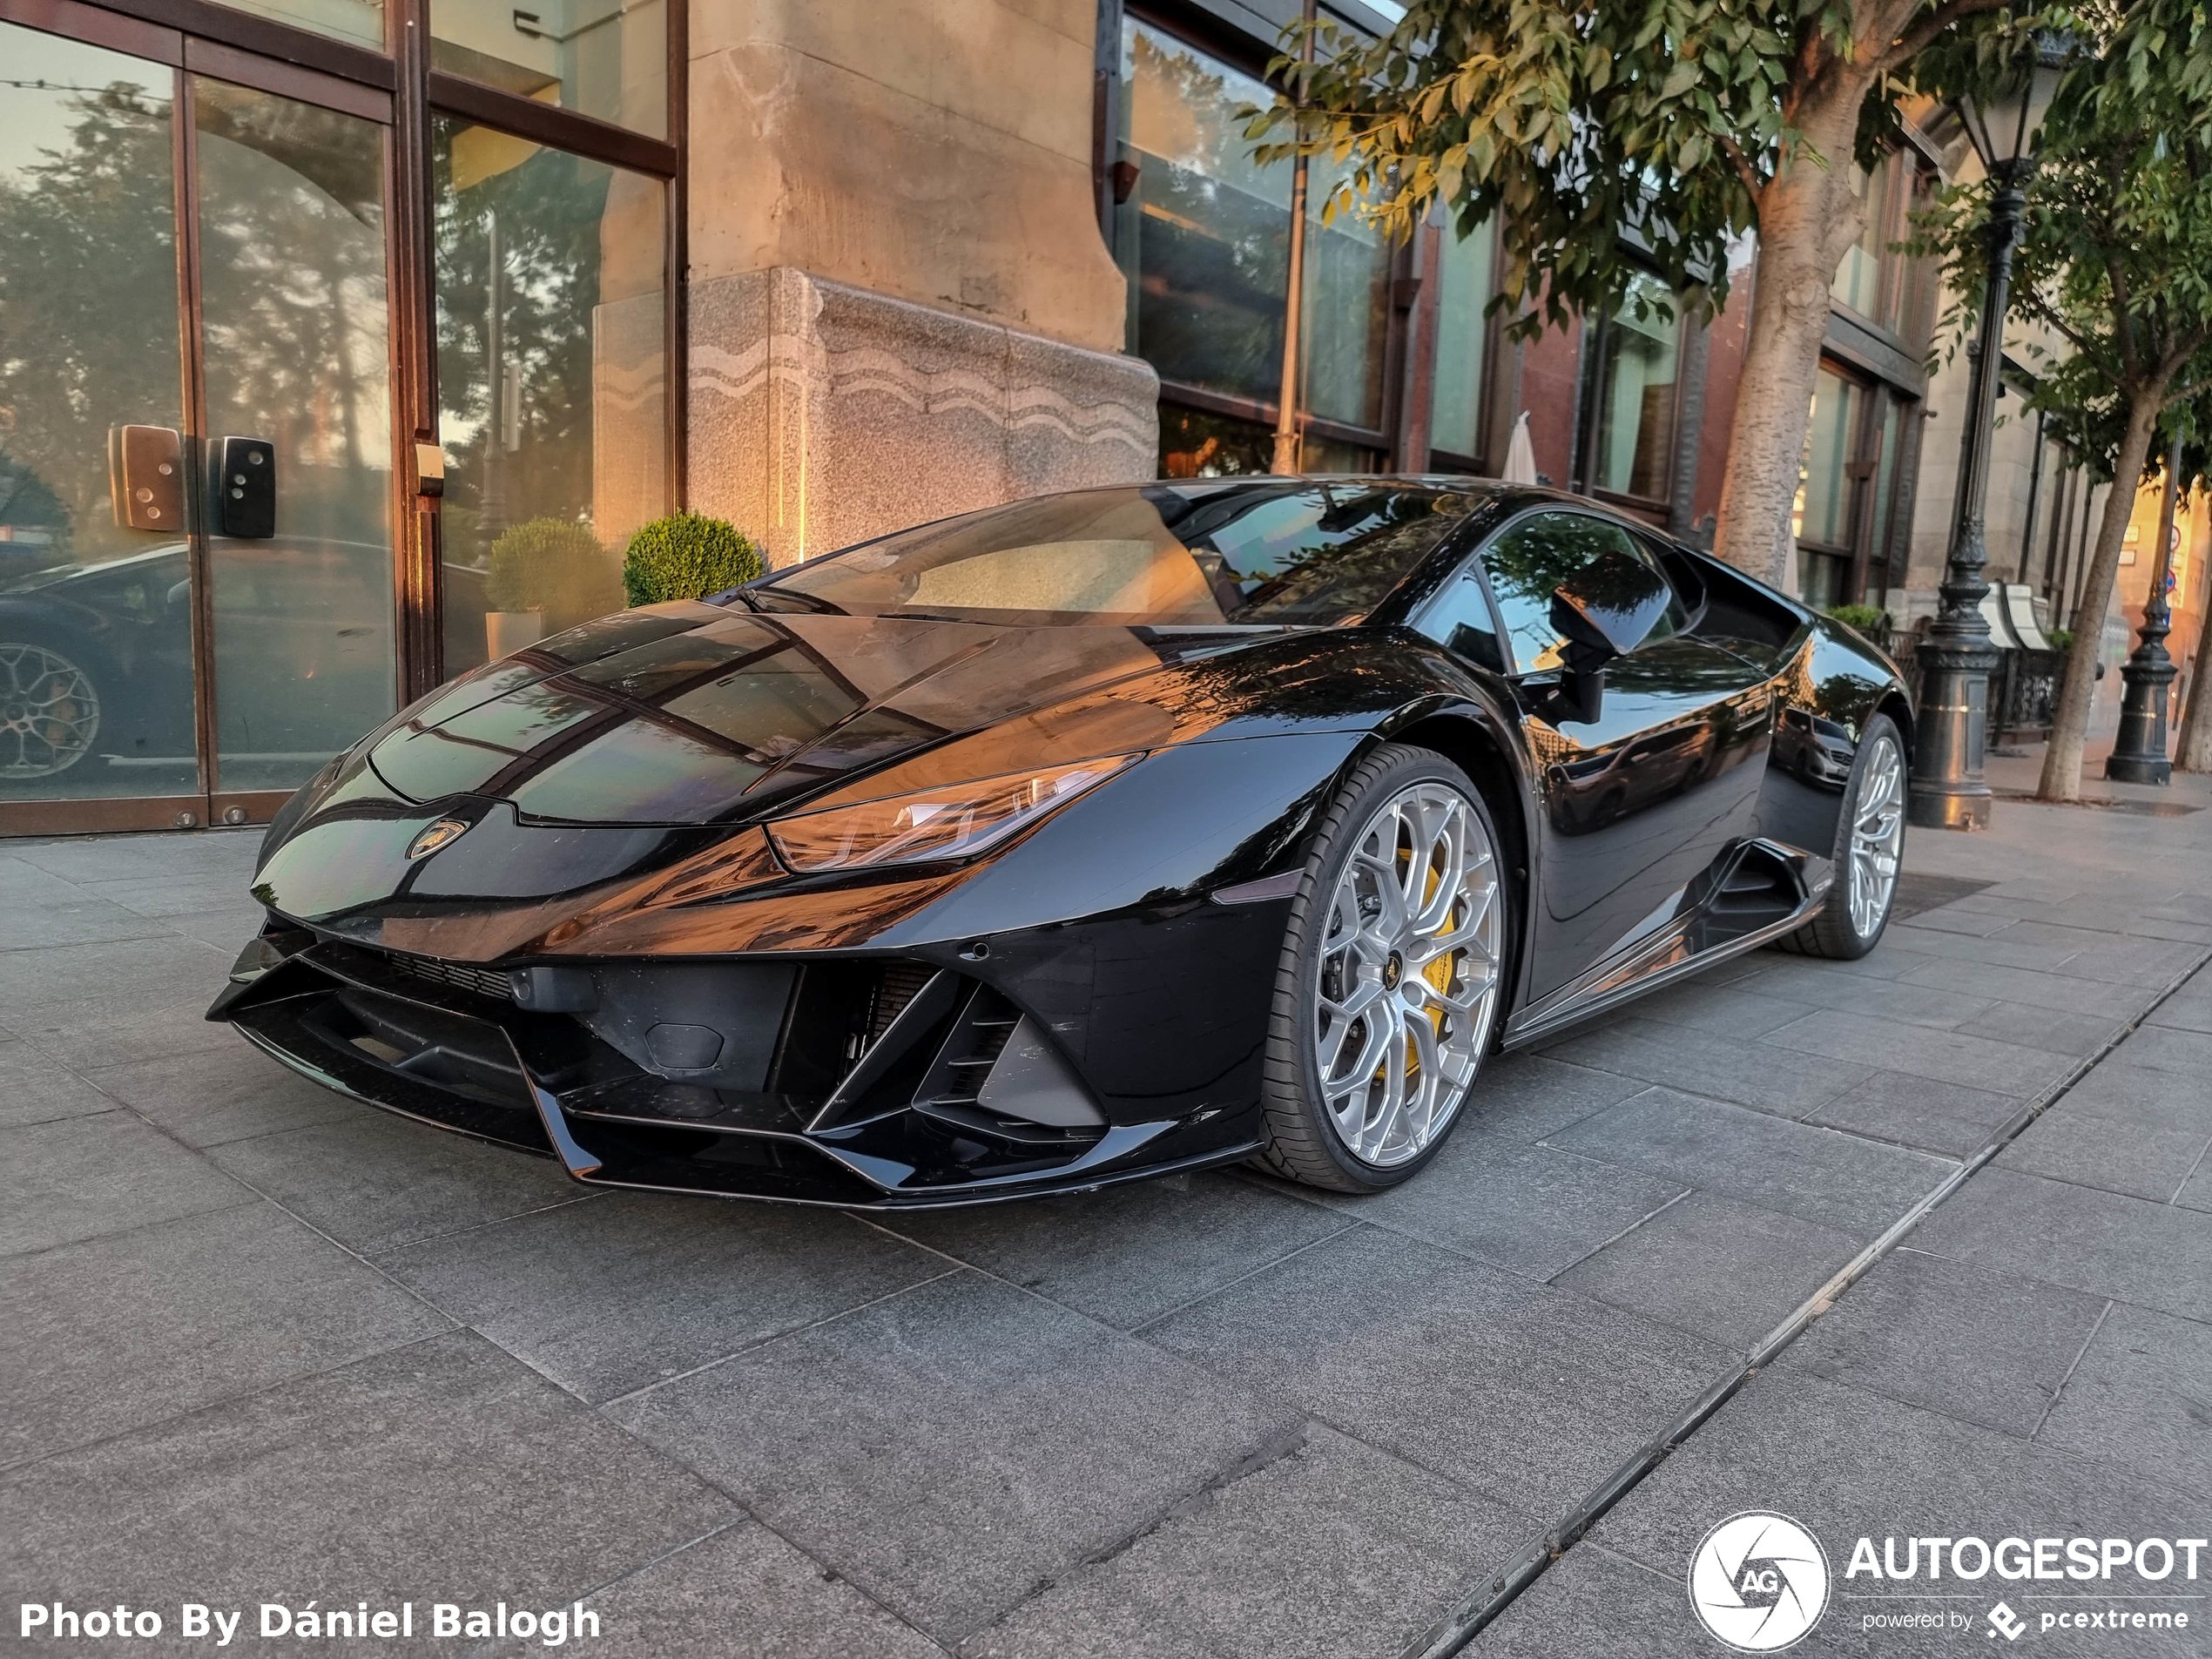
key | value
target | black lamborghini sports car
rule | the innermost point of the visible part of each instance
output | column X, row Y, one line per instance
column 1078, row 840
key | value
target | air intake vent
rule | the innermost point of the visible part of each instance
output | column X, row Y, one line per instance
column 484, row 981
column 900, row 981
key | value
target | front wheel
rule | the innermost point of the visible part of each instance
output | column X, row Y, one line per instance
column 1391, row 977
column 1870, row 846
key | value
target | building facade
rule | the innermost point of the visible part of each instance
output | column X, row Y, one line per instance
column 343, row 343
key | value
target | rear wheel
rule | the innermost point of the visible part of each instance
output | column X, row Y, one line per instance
column 1391, row 977
column 1870, row 844
column 50, row 709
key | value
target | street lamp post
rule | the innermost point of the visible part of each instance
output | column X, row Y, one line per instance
column 2140, row 757
column 1955, row 658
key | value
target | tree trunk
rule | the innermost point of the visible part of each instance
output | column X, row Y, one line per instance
column 2070, row 720
column 2193, row 751
column 1808, row 218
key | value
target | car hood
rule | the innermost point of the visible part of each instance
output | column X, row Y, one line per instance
column 694, row 714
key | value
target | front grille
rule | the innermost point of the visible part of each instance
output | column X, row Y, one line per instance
column 484, row 981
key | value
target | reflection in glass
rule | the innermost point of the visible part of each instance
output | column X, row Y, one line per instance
column 1203, row 236
column 1822, row 513
column 360, row 22
column 607, row 58
column 96, row 687
column 1858, row 282
column 1265, row 554
column 1533, row 557
column 1636, row 397
column 1347, row 302
column 1463, row 288
column 296, row 342
column 552, row 379
column 1194, row 444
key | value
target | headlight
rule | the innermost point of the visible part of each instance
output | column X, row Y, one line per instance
column 954, row 821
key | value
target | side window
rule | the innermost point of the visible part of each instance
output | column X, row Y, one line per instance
column 1531, row 558
column 1459, row 619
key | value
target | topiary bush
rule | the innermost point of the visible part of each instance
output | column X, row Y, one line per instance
column 555, row 565
column 687, row 555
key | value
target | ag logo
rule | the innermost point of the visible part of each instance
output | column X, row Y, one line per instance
column 1758, row 1581
column 445, row 830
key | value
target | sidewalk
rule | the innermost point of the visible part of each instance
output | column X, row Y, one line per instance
column 269, row 1345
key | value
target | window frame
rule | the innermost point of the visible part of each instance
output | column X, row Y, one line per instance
column 1637, row 535
column 1597, row 340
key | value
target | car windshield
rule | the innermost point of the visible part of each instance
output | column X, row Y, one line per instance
column 1272, row 554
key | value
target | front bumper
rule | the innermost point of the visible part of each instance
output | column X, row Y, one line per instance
column 935, row 1089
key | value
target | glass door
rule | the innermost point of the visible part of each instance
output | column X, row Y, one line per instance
column 196, row 492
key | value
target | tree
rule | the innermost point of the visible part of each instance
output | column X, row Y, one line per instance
column 2115, row 262
column 1688, row 122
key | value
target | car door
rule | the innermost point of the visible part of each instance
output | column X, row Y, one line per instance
column 1637, row 802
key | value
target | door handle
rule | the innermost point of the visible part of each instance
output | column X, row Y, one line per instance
column 145, row 477
column 245, row 487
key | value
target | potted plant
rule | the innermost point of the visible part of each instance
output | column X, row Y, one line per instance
column 687, row 555
column 544, row 575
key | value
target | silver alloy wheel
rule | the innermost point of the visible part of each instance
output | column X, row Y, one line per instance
column 1877, row 828
column 1407, row 977
column 50, row 711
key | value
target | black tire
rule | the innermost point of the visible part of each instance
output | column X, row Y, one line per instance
column 1304, row 1143
column 1834, row 933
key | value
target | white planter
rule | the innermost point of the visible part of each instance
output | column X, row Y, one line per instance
column 508, row 631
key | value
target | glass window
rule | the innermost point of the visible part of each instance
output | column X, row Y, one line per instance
column 1203, row 236
column 1531, row 558
column 96, row 658
column 1194, row 444
column 1201, row 556
column 552, row 382
column 1858, row 279
column 1346, row 311
column 1633, row 449
column 1459, row 619
column 607, row 58
column 1822, row 513
column 1463, row 288
column 361, row 22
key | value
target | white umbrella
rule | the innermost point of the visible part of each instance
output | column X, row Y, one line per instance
column 1521, row 454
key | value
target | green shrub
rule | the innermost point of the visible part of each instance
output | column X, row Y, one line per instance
column 2062, row 639
column 555, row 565
column 687, row 555
column 1866, row 618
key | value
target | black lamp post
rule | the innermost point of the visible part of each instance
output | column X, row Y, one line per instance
column 1955, row 658
column 2139, row 757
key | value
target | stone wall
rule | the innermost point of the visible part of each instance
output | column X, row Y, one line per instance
column 822, row 414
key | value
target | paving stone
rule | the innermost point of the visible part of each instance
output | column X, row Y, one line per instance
column 118, row 1332
column 1526, row 1097
column 1996, row 951
column 2157, row 1255
column 177, row 896
column 2133, row 1154
column 1945, row 919
column 1802, row 979
column 2121, row 962
column 962, row 1410
column 227, row 1094
column 1333, row 1550
column 746, row 1593
column 2141, row 1398
column 2074, row 1034
column 80, row 1177
column 226, row 929
column 116, row 1029
column 1526, row 1393
column 1947, row 1057
column 105, row 858
column 1728, row 1271
column 1919, row 1112
column 444, row 1470
column 77, row 920
column 2035, row 989
column 37, row 1089
column 1130, row 1253
column 1844, row 1462
column 1837, row 1180
column 22, row 883
column 607, row 1296
column 2187, row 1054
column 1749, row 1073
column 2188, row 1009
column 1722, row 1009
column 160, row 966
column 1534, row 1209
column 374, row 1181
column 1989, row 1348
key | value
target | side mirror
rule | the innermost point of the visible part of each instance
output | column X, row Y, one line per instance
column 1604, row 610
